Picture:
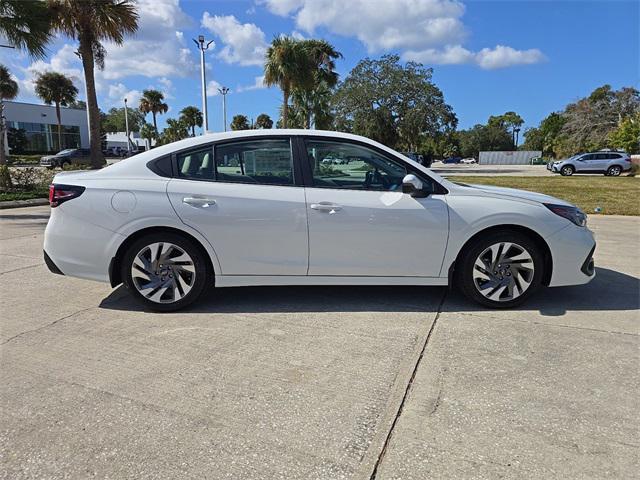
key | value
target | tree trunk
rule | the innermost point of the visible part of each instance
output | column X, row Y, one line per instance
column 154, row 121
column 3, row 154
column 59, row 126
column 285, row 107
column 86, row 54
column 193, row 130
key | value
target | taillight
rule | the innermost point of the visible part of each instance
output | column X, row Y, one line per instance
column 61, row 193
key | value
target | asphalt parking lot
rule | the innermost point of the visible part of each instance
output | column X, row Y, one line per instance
column 323, row 382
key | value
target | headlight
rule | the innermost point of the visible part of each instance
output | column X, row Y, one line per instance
column 573, row 214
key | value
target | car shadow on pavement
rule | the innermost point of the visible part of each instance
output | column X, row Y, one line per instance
column 610, row 290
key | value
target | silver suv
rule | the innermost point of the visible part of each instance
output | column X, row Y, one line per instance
column 607, row 162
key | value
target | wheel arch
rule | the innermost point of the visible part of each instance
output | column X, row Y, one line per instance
column 548, row 260
column 115, row 264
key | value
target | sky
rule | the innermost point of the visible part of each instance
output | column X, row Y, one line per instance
column 488, row 57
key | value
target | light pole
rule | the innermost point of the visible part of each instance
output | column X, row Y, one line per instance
column 126, row 125
column 223, row 91
column 202, row 46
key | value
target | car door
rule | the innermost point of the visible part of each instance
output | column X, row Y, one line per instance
column 587, row 163
column 360, row 222
column 243, row 196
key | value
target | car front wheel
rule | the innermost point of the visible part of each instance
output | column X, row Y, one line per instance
column 567, row 171
column 501, row 270
column 165, row 271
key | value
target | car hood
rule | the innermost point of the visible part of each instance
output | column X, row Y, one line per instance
column 522, row 194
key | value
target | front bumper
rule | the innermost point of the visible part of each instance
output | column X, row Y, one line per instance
column 572, row 251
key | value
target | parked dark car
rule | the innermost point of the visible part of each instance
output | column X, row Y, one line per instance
column 452, row 160
column 68, row 156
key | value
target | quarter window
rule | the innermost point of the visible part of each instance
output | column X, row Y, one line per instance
column 196, row 164
column 349, row 166
column 267, row 162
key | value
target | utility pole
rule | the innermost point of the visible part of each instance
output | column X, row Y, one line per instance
column 223, row 91
column 126, row 125
column 202, row 46
column 517, row 132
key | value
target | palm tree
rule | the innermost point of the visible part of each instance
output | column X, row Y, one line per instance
column 264, row 121
column 240, row 122
column 192, row 117
column 56, row 88
column 149, row 133
column 8, row 91
column 287, row 67
column 91, row 22
column 27, row 25
column 152, row 101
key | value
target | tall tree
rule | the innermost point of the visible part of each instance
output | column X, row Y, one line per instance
column 240, row 122
column 627, row 135
column 510, row 121
column 149, row 132
column 152, row 101
column 393, row 103
column 8, row 91
column 286, row 66
column 192, row 117
column 56, row 88
column 91, row 22
column 264, row 121
column 174, row 131
column 27, row 25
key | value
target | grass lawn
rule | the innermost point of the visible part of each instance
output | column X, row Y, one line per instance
column 24, row 195
column 614, row 195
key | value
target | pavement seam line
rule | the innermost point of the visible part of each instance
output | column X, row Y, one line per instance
column 21, row 268
column 45, row 326
column 407, row 390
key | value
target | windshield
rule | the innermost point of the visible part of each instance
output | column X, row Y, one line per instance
column 63, row 152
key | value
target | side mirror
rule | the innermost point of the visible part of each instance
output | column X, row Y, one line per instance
column 413, row 186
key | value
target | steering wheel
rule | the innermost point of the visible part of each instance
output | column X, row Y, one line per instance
column 375, row 177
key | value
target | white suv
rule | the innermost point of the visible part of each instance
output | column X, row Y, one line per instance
column 607, row 162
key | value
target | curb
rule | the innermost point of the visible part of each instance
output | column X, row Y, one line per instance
column 33, row 202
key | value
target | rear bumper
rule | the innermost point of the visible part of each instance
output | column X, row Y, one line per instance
column 53, row 268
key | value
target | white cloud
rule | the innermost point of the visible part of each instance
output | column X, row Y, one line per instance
column 157, row 49
column 118, row 92
column 257, row 85
column 487, row 58
column 429, row 31
column 64, row 61
column 244, row 43
column 212, row 88
column 502, row 56
column 380, row 24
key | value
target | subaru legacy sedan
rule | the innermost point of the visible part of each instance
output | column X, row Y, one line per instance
column 264, row 208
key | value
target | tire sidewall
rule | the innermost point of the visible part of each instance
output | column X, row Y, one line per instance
column 201, row 266
column 566, row 171
column 616, row 169
column 465, row 272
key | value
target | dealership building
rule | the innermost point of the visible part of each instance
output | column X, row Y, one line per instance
column 40, row 126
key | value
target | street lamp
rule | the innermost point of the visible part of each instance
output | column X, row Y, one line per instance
column 202, row 46
column 223, row 91
column 126, row 125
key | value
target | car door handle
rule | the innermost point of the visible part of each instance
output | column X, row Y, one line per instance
column 203, row 202
column 326, row 207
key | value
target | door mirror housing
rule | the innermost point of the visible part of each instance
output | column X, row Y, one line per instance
column 413, row 186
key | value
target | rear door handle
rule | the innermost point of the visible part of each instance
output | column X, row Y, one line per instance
column 326, row 207
column 203, row 202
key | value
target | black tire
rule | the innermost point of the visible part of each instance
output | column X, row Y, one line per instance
column 203, row 275
column 466, row 264
column 614, row 171
column 567, row 171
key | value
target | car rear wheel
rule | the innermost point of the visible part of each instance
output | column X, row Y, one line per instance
column 501, row 270
column 567, row 171
column 165, row 271
column 614, row 171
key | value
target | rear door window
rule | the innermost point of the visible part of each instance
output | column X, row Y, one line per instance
column 264, row 162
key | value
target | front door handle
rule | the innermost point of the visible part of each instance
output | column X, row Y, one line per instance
column 326, row 207
column 203, row 202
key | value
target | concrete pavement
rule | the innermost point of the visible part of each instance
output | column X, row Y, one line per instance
column 324, row 382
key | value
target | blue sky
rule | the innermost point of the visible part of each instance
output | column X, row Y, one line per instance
column 488, row 56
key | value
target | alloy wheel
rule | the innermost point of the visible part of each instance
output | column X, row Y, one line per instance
column 503, row 271
column 163, row 272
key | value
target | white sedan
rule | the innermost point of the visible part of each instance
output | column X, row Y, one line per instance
column 261, row 208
